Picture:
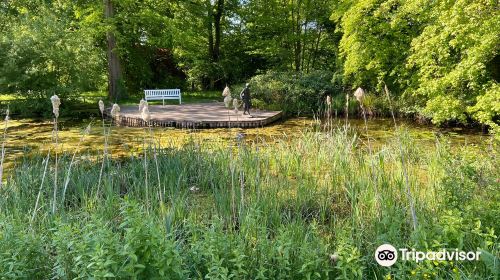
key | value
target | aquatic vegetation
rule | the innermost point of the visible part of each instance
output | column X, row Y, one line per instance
column 298, row 208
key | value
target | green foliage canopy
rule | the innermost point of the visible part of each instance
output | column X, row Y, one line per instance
column 440, row 57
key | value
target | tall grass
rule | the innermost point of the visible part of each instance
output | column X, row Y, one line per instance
column 403, row 163
column 261, row 211
column 4, row 138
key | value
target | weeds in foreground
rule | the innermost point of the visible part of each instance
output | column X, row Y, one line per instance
column 273, row 212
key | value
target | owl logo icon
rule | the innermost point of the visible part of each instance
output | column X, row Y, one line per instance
column 386, row 255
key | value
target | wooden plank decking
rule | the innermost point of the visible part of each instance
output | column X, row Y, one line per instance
column 200, row 115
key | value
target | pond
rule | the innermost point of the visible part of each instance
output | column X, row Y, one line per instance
column 29, row 136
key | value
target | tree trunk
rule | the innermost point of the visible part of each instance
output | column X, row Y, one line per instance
column 315, row 51
column 114, row 69
column 214, row 34
column 298, row 42
column 217, row 21
column 210, row 29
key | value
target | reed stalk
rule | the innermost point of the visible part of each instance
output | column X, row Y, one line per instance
column 242, row 174
column 403, row 163
column 56, row 102
column 360, row 95
column 145, row 172
column 68, row 174
column 146, row 117
column 155, row 157
column 232, row 169
column 6, row 122
column 35, row 210
column 346, row 109
column 105, row 149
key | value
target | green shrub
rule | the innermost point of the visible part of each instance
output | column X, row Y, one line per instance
column 23, row 254
column 293, row 92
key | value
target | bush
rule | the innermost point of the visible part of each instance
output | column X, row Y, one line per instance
column 39, row 106
column 293, row 92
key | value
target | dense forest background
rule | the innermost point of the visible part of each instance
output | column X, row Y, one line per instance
column 439, row 59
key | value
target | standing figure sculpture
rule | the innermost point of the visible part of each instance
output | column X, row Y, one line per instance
column 246, row 98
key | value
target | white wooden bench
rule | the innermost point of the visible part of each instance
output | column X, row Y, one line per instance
column 162, row 94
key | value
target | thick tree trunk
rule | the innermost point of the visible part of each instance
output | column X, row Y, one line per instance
column 114, row 69
column 217, row 23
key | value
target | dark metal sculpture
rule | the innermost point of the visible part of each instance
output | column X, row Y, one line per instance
column 247, row 100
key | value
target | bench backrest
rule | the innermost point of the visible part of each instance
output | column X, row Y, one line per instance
column 162, row 93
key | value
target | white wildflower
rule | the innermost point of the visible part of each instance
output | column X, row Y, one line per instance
column 115, row 110
column 101, row 106
column 194, row 189
column 56, row 102
column 334, row 257
column 145, row 115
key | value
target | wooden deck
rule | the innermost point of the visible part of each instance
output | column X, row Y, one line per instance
column 200, row 115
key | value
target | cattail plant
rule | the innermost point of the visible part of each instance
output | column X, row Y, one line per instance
column 346, row 108
column 6, row 121
column 227, row 97
column 141, row 104
column 115, row 111
column 101, row 108
column 56, row 102
column 403, row 163
column 227, row 102
column 359, row 94
column 146, row 115
column 328, row 111
column 105, row 150
column 328, row 102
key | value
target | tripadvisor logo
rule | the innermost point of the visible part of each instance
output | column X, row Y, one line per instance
column 387, row 255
